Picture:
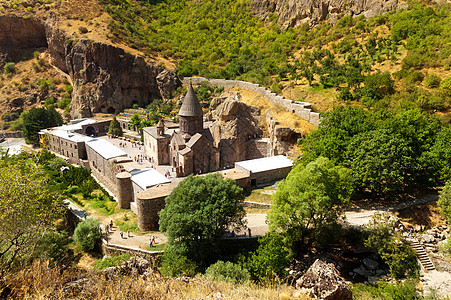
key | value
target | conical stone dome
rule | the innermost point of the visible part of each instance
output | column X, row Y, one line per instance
column 191, row 106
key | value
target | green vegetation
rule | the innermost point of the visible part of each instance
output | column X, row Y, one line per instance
column 115, row 128
column 87, row 234
column 9, row 68
column 197, row 214
column 227, row 271
column 309, row 202
column 390, row 246
column 36, row 119
column 444, row 201
column 387, row 153
column 29, row 206
column 111, row 261
column 383, row 290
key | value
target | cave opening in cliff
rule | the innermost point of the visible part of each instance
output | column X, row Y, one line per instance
column 111, row 110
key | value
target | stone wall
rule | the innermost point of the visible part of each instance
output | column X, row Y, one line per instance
column 269, row 176
column 74, row 151
column 15, row 134
column 257, row 148
column 148, row 211
column 302, row 109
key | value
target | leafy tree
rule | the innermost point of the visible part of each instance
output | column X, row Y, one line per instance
column 445, row 201
column 390, row 246
column 28, row 207
column 52, row 246
column 39, row 118
column 432, row 81
column 135, row 121
column 271, row 257
column 441, row 151
column 115, row 128
column 380, row 161
column 334, row 133
column 309, row 201
column 198, row 213
column 87, row 234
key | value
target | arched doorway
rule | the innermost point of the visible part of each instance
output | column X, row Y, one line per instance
column 90, row 131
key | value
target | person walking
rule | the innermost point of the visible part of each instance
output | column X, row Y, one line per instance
column 128, row 233
column 122, row 234
column 410, row 233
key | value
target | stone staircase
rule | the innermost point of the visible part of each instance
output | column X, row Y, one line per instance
column 421, row 254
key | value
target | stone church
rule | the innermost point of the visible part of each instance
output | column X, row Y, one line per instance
column 189, row 147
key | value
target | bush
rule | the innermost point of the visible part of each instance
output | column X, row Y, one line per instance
column 52, row 246
column 432, row 81
column 270, row 258
column 82, row 29
column 9, row 68
column 383, row 290
column 87, row 234
column 227, row 271
column 174, row 264
column 107, row 261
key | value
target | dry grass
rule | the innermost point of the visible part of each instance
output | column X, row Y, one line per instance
column 426, row 215
column 281, row 115
column 40, row 281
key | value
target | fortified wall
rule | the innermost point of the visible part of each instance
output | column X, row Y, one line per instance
column 302, row 109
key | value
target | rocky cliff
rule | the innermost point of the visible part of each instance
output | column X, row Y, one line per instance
column 105, row 78
column 293, row 13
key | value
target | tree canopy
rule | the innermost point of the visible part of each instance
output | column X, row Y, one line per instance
column 28, row 207
column 198, row 213
column 39, row 118
column 115, row 127
column 309, row 201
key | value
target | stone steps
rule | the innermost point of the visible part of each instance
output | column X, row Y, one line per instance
column 421, row 254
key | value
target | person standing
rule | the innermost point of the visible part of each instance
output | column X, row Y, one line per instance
column 128, row 233
column 122, row 234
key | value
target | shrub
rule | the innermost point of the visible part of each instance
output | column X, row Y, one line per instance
column 432, row 81
column 87, row 234
column 107, row 261
column 383, row 290
column 227, row 271
column 82, row 29
column 52, row 246
column 174, row 264
column 9, row 68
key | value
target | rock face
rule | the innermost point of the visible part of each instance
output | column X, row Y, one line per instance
column 322, row 281
column 235, row 124
column 18, row 35
column 293, row 13
column 281, row 138
column 105, row 78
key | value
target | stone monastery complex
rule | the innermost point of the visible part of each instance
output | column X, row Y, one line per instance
column 171, row 152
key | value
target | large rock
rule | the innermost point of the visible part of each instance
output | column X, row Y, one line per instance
column 322, row 281
column 167, row 82
column 293, row 13
column 234, row 125
column 106, row 78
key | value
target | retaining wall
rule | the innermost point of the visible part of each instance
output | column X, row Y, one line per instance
column 302, row 109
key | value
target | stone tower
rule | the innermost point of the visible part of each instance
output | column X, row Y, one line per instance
column 124, row 190
column 160, row 128
column 191, row 114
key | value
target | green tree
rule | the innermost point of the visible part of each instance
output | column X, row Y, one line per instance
column 227, row 271
column 115, row 127
column 87, row 234
column 444, row 201
column 310, row 201
column 380, row 161
column 390, row 246
column 28, row 207
column 36, row 119
column 135, row 121
column 441, row 152
column 52, row 246
column 198, row 213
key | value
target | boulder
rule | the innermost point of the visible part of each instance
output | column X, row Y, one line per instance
column 427, row 238
column 370, row 264
column 322, row 281
column 167, row 82
column 361, row 271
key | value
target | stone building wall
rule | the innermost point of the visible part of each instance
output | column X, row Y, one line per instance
column 74, row 151
column 269, row 176
column 302, row 109
column 257, row 148
column 148, row 212
column 100, row 128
